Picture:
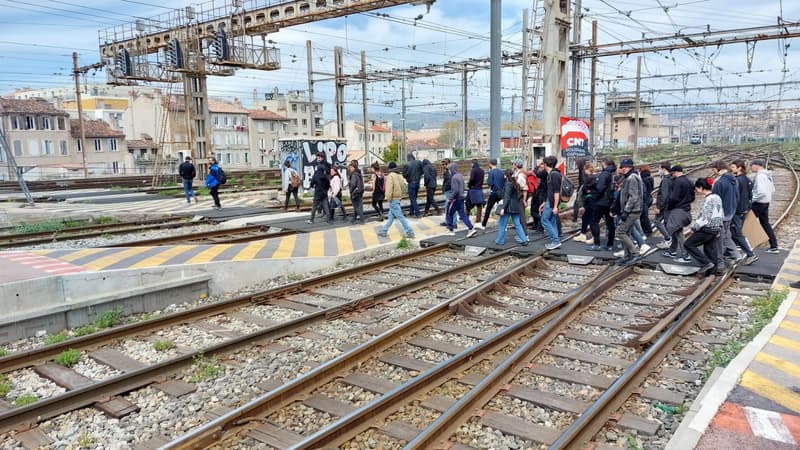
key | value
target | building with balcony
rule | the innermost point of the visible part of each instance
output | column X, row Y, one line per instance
column 304, row 117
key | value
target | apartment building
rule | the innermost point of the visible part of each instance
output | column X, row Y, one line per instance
column 304, row 117
column 106, row 148
column 379, row 137
column 266, row 127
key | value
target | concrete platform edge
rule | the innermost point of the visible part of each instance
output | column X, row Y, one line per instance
column 695, row 424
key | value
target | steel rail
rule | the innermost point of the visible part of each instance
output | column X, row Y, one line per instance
column 27, row 358
column 17, row 239
column 587, row 425
column 232, row 235
column 127, row 381
column 214, row 431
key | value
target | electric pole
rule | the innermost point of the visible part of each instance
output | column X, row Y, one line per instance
column 464, row 114
column 311, row 126
column 77, row 71
column 636, row 118
column 495, row 80
column 364, row 106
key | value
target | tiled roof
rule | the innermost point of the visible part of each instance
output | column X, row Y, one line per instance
column 263, row 114
column 216, row 105
column 142, row 143
column 431, row 144
column 94, row 129
column 30, row 106
column 374, row 128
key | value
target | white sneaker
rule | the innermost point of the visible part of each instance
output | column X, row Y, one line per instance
column 478, row 226
column 644, row 249
column 580, row 237
column 619, row 254
column 472, row 232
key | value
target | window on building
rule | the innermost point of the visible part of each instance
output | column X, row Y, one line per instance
column 272, row 126
column 246, row 158
column 261, row 144
column 216, row 121
column 30, row 123
column 303, row 108
column 235, row 120
column 305, row 122
column 16, row 122
column 294, row 107
column 17, row 148
column 45, row 123
column 98, row 145
column 48, row 147
column 228, row 158
column 80, row 146
column 112, row 145
column 62, row 123
column 63, row 150
column 263, row 160
column 115, row 166
column 225, row 120
column 260, row 126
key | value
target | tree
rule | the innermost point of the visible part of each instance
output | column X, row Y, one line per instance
column 392, row 151
column 451, row 133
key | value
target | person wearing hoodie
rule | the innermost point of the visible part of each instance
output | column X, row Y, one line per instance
column 412, row 172
column 457, row 202
column 762, row 196
column 446, row 188
column 660, row 219
column 647, row 198
column 475, row 196
column 356, row 187
column 728, row 190
column 321, row 183
column 212, row 181
column 745, row 187
column 496, row 182
column 394, row 192
column 429, row 178
column 630, row 204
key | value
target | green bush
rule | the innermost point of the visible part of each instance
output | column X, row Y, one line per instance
column 55, row 338
column 40, row 227
column 3, row 352
column 5, row 385
column 26, row 399
column 68, row 358
column 109, row 318
column 103, row 220
column 84, row 330
column 403, row 244
column 162, row 346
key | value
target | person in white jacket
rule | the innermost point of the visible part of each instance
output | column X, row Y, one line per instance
column 762, row 196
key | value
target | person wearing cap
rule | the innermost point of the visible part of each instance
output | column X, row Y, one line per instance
column 429, row 178
column 394, row 192
column 762, row 196
column 630, row 205
column 679, row 212
column 187, row 173
column 496, row 181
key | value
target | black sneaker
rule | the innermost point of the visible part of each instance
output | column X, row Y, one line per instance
column 706, row 268
column 794, row 285
column 669, row 254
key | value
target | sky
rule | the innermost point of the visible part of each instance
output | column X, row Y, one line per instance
column 37, row 38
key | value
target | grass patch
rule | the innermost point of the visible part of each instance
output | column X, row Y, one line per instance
column 205, row 368
column 109, row 318
column 105, row 220
column 162, row 346
column 5, row 385
column 86, row 440
column 40, row 227
column 170, row 192
column 26, row 399
column 764, row 309
column 68, row 358
column 295, row 277
column 55, row 338
column 404, row 244
column 3, row 352
column 84, row 330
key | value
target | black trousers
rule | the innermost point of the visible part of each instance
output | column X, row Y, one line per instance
column 493, row 199
column 602, row 212
column 708, row 241
column 289, row 192
column 761, row 210
column 321, row 202
column 430, row 200
column 215, row 195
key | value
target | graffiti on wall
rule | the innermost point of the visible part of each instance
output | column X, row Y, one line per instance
column 302, row 154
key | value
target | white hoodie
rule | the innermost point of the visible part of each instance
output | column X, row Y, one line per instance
column 763, row 187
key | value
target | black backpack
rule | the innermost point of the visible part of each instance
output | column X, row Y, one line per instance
column 221, row 177
column 567, row 189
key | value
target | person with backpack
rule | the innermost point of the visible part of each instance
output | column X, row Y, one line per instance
column 187, row 173
column 496, row 182
column 520, row 177
column 589, row 181
column 291, row 185
column 745, row 188
column 356, row 187
column 429, row 178
column 214, row 180
column 647, row 195
column 762, row 196
column 512, row 207
column 549, row 209
column 378, row 189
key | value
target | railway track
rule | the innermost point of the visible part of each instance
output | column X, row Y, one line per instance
column 236, row 325
column 224, row 236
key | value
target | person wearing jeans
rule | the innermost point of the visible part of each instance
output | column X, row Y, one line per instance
column 549, row 208
column 512, row 207
column 745, row 187
column 187, row 173
column 413, row 173
column 394, row 192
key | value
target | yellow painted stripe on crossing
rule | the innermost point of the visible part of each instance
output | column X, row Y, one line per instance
column 785, row 343
column 771, row 390
column 250, row 251
column 344, row 241
column 791, row 326
column 793, row 312
column 105, row 261
column 161, row 258
column 80, row 254
column 316, row 244
column 209, row 254
column 780, row 364
column 370, row 236
column 286, row 247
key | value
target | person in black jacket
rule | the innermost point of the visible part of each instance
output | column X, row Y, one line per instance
column 412, row 172
column 578, row 203
column 647, row 198
column 356, row 187
column 602, row 197
column 512, row 207
column 660, row 220
column 475, row 196
column 187, row 173
column 745, row 188
column 429, row 178
column 679, row 211
column 321, row 183
column 496, row 181
column 447, row 190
